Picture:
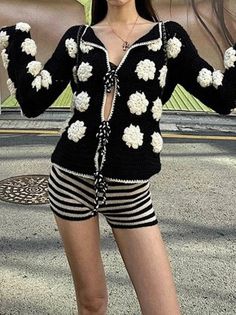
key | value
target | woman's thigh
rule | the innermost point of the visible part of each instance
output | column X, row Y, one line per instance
column 70, row 199
column 147, row 262
column 81, row 240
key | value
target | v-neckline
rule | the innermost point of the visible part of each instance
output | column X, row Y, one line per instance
column 140, row 39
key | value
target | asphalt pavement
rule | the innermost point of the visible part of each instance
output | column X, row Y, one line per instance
column 194, row 199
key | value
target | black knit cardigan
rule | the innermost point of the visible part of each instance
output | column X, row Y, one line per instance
column 133, row 144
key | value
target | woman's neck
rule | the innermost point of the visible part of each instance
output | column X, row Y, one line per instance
column 123, row 14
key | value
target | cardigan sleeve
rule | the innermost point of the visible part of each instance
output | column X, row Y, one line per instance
column 215, row 88
column 36, row 86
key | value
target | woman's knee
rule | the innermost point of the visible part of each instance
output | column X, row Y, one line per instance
column 93, row 304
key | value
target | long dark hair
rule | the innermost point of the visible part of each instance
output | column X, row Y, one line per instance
column 144, row 8
column 219, row 11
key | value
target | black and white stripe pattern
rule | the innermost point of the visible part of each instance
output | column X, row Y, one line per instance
column 109, row 80
column 100, row 157
column 127, row 205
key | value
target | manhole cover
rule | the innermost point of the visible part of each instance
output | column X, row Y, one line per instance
column 25, row 189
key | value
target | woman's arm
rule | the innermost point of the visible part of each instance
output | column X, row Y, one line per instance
column 216, row 89
column 36, row 86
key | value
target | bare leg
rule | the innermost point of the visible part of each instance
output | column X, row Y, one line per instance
column 81, row 241
column 146, row 260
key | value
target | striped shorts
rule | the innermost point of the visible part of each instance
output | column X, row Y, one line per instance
column 128, row 205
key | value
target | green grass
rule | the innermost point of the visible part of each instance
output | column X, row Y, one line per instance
column 183, row 100
column 64, row 100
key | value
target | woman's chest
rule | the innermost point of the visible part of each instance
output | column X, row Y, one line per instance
column 140, row 63
column 116, row 42
column 114, row 48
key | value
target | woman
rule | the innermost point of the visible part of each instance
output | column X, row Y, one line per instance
column 111, row 146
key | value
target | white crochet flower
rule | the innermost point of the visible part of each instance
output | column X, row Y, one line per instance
column 22, row 26
column 71, row 47
column 4, row 40
column 132, row 136
column 34, row 67
column 156, row 45
column 11, row 87
column 146, row 69
column 37, row 82
column 204, row 77
column 29, row 47
column 46, row 78
column 85, row 48
column 157, row 109
column 229, row 58
column 173, row 47
column 76, row 131
column 157, row 142
column 84, row 71
column 162, row 76
column 5, row 59
column 81, row 101
column 137, row 103
column 217, row 78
